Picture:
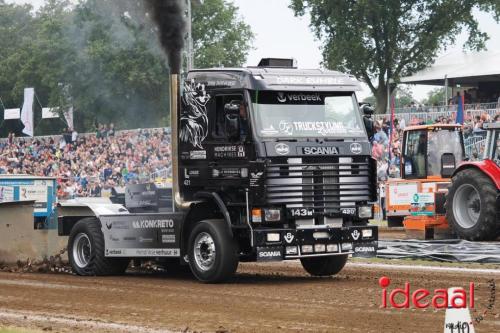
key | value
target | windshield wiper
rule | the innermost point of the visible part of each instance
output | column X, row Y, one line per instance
column 334, row 139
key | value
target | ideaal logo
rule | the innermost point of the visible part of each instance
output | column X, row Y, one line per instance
column 424, row 298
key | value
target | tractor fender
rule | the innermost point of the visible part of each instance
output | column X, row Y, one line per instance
column 487, row 167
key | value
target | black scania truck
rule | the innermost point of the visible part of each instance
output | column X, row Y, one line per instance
column 270, row 163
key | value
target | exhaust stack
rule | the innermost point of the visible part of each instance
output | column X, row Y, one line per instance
column 178, row 202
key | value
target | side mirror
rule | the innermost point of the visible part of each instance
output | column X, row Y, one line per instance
column 370, row 129
column 448, row 165
column 232, row 121
column 367, row 110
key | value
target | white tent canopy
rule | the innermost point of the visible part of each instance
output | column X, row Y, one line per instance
column 460, row 68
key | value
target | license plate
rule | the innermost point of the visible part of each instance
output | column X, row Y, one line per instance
column 270, row 253
column 365, row 250
column 301, row 212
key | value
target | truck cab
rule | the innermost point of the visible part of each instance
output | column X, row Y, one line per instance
column 270, row 163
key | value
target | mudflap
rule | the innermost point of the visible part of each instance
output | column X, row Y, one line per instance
column 142, row 235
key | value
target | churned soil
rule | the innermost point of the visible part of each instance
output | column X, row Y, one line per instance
column 277, row 297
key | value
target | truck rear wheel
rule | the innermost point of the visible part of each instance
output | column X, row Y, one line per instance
column 324, row 266
column 213, row 253
column 86, row 250
column 471, row 206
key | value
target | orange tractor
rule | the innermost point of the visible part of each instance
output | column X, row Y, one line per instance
column 429, row 156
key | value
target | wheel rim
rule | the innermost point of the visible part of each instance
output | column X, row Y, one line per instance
column 204, row 251
column 466, row 206
column 82, row 250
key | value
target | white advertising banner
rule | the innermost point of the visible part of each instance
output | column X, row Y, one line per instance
column 27, row 111
column 402, row 193
column 48, row 113
column 12, row 114
column 6, row 194
column 34, row 192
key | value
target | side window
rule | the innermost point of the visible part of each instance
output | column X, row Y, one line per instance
column 415, row 154
column 218, row 130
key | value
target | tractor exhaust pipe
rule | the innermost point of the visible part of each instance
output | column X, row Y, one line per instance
column 178, row 202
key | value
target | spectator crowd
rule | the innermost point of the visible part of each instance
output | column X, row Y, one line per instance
column 91, row 164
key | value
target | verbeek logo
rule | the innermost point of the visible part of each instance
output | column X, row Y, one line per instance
column 400, row 298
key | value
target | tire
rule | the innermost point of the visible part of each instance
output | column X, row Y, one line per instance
column 212, row 252
column 324, row 266
column 471, row 206
column 86, row 251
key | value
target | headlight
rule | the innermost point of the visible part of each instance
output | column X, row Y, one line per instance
column 307, row 248
column 367, row 233
column 365, row 212
column 319, row 247
column 272, row 215
column 273, row 237
column 346, row 246
column 332, row 248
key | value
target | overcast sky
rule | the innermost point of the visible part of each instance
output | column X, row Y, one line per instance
column 280, row 34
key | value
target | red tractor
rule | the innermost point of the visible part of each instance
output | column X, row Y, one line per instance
column 473, row 200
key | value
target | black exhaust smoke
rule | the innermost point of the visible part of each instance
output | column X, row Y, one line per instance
column 169, row 18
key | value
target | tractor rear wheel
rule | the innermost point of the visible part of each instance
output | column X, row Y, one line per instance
column 471, row 206
column 86, row 250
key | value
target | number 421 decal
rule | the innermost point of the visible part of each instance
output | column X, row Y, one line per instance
column 302, row 212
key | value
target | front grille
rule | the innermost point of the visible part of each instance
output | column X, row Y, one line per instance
column 324, row 184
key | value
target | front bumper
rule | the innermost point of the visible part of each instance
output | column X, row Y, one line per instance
column 324, row 242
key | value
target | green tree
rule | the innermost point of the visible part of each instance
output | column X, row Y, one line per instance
column 103, row 58
column 16, row 29
column 435, row 97
column 403, row 96
column 380, row 41
column 220, row 37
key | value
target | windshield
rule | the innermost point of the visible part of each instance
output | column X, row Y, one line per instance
column 440, row 142
column 306, row 114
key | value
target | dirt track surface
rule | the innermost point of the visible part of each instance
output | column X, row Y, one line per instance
column 262, row 298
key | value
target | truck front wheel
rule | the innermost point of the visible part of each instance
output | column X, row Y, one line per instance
column 213, row 253
column 86, row 250
column 324, row 266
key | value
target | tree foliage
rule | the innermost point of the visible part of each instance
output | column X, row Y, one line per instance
column 224, row 39
column 102, row 57
column 380, row 41
column 403, row 97
column 435, row 97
